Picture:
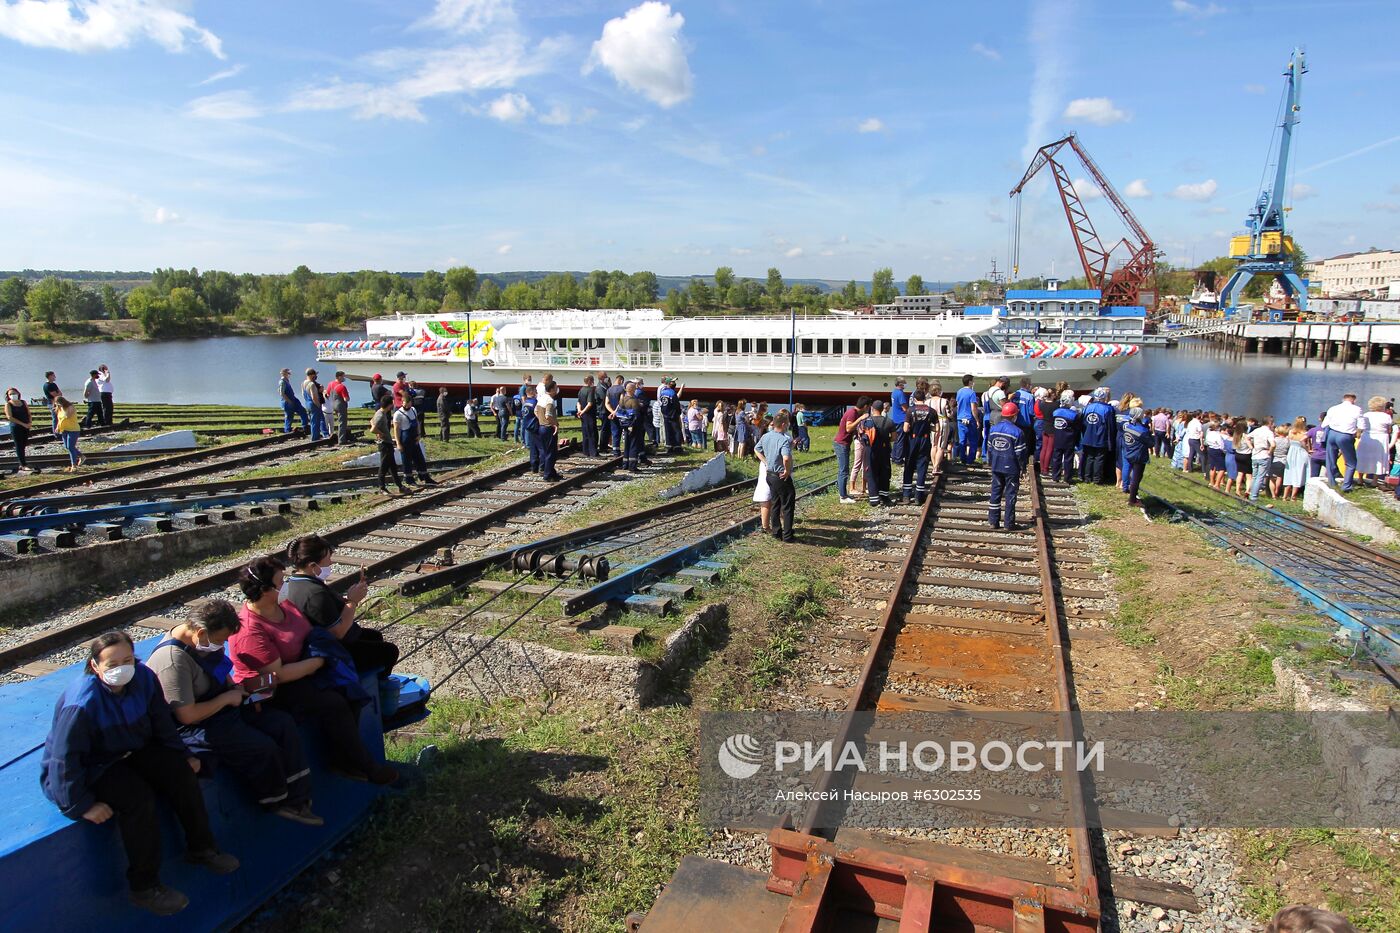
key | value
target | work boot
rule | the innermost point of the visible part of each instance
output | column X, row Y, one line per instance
column 160, row 900
column 994, row 518
column 220, row 863
column 300, row 813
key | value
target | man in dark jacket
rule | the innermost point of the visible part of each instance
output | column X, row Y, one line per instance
column 1099, row 433
column 876, row 431
column 1064, row 436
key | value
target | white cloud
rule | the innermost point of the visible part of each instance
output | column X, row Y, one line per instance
column 165, row 216
column 642, row 51
column 1198, row 191
column 500, row 61
column 1197, row 10
column 559, row 115
column 1051, row 35
column 233, row 72
column 103, row 25
column 828, row 252
column 986, row 52
column 740, row 250
column 1099, row 111
column 870, row 125
column 463, row 16
column 1086, row 189
column 795, row 252
column 503, row 249
column 227, row 105
column 1301, row 191
column 1137, row 188
column 1255, row 89
column 1216, row 210
column 510, row 108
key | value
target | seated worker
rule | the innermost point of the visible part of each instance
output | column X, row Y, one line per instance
column 307, row 589
column 112, row 749
column 274, row 639
column 256, row 742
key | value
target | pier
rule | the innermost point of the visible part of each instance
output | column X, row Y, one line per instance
column 1361, row 344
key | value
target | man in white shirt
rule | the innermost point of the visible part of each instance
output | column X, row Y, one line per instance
column 1340, row 426
column 1195, row 432
column 1262, row 439
column 104, row 387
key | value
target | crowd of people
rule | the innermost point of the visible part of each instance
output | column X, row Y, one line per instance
column 64, row 424
column 227, row 687
column 1250, row 457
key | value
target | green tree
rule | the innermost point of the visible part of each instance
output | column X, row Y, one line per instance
column 914, row 285
column 882, row 290
column 84, row 304
column 559, row 290
column 644, row 286
column 701, row 295
column 461, row 287
column 488, row 296
column 112, row 304
column 48, row 300
column 432, row 287
column 775, row 288
column 849, row 295
column 676, row 302
column 724, row 280
column 12, row 294
column 519, row 296
column 219, row 291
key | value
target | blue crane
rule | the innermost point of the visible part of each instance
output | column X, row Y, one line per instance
column 1267, row 249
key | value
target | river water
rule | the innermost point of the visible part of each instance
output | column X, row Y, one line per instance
column 243, row 371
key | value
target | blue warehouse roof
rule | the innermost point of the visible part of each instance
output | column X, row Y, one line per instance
column 1123, row 311
column 1042, row 294
column 987, row 310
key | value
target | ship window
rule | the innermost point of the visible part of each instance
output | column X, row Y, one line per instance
column 704, row 344
column 823, row 346
column 806, row 345
column 675, row 346
column 901, row 347
column 852, row 346
column 762, row 344
column 524, row 344
column 690, row 344
column 943, row 349
column 966, row 346
column 733, row 345
column 540, row 344
column 787, row 347
column 745, row 345
column 886, row 346
column 922, row 351
column 870, row 347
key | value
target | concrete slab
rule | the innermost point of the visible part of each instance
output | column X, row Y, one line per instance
column 1334, row 509
column 711, row 473
column 170, row 440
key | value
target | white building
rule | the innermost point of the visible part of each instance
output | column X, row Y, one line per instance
column 1364, row 275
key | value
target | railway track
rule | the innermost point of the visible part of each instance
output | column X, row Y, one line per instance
column 945, row 616
column 392, row 540
column 1356, row 586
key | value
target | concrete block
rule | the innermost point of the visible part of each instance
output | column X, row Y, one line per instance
column 194, row 518
column 57, row 538
column 711, row 473
column 170, row 440
column 1333, row 508
column 678, row 590
column 18, row 544
column 105, row 530
column 154, row 522
column 651, row 605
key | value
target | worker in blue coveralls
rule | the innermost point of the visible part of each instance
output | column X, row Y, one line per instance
column 1064, row 435
column 1007, row 455
column 628, row 414
column 1121, row 419
column 547, row 442
column 1024, row 398
column 917, row 432
column 1137, row 447
column 969, row 421
column 669, row 400
column 899, row 413
column 1099, row 435
column 529, row 424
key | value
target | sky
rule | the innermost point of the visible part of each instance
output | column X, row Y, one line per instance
column 824, row 137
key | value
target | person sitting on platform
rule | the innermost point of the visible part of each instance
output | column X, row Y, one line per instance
column 308, row 589
column 274, row 640
column 112, row 749
column 256, row 742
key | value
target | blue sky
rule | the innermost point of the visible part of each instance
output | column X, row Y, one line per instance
column 826, row 138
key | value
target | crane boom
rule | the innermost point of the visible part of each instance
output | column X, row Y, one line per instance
column 1123, row 286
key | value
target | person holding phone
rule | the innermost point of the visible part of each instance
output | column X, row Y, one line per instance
column 216, row 718
column 272, row 640
column 308, row 589
column 111, row 751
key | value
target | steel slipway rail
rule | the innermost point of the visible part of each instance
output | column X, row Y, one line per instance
column 835, row 877
column 349, row 536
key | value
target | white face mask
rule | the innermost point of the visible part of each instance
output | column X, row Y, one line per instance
column 324, row 574
column 119, row 676
column 208, row 649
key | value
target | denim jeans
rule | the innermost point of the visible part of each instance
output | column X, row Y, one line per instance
column 1258, row 476
column 1345, row 444
column 843, row 467
column 70, row 444
column 290, row 410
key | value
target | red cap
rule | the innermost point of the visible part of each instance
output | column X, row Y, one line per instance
column 376, row 376
column 1009, row 410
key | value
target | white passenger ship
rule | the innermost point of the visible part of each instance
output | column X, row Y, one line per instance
column 715, row 357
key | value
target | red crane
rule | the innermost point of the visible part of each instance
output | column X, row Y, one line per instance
column 1123, row 285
